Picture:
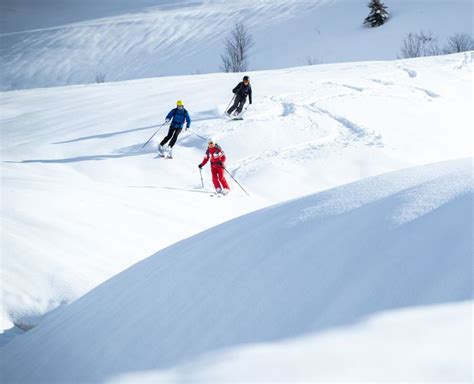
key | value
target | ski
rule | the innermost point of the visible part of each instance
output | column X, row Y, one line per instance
column 218, row 194
column 238, row 116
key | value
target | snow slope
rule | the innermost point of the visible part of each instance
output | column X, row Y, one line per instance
column 59, row 42
column 81, row 201
column 393, row 242
column 373, row 349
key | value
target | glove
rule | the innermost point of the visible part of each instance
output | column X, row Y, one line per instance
column 167, row 121
column 186, row 128
column 219, row 163
column 250, row 102
column 200, row 166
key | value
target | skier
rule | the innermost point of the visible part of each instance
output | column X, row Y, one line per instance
column 177, row 116
column 217, row 156
column 241, row 91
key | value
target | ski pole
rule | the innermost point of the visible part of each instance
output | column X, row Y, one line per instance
column 202, row 181
column 230, row 102
column 144, row 145
column 194, row 133
column 233, row 178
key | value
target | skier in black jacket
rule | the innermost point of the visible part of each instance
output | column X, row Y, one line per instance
column 241, row 91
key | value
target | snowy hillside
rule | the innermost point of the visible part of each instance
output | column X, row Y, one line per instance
column 279, row 279
column 81, row 201
column 58, row 42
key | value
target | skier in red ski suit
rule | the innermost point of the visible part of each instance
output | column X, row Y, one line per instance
column 217, row 156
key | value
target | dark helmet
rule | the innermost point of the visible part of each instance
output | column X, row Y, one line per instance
column 246, row 78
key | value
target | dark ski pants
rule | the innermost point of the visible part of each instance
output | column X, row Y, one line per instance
column 173, row 134
column 238, row 104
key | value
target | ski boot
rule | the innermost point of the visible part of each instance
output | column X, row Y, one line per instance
column 161, row 151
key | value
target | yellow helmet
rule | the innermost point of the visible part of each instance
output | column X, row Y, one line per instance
column 179, row 103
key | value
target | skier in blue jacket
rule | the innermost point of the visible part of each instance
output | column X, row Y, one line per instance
column 178, row 116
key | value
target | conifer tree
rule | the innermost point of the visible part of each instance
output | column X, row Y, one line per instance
column 378, row 14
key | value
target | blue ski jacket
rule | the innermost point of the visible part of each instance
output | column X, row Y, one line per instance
column 179, row 116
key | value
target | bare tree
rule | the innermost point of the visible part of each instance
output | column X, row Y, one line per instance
column 419, row 44
column 237, row 47
column 311, row 60
column 100, row 77
column 459, row 42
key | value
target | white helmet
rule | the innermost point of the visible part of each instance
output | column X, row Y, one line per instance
column 210, row 140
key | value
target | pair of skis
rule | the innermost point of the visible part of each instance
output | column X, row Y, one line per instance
column 235, row 116
column 238, row 116
column 218, row 194
column 212, row 194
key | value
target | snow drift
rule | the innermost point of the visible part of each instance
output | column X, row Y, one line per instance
column 391, row 242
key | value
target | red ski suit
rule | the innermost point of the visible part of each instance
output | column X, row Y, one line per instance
column 217, row 157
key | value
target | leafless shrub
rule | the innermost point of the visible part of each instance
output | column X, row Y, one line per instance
column 236, row 50
column 459, row 42
column 419, row 44
column 311, row 60
column 100, row 78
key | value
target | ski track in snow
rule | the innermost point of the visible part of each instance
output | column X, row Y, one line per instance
column 358, row 89
column 427, row 92
column 356, row 132
column 422, row 91
column 303, row 111
column 339, row 133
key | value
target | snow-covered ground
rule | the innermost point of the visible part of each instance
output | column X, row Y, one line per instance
column 351, row 260
column 276, row 294
column 58, row 42
column 394, row 346
column 81, row 201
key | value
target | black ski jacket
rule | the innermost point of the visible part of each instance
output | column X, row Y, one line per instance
column 243, row 90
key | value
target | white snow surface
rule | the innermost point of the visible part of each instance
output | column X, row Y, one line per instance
column 60, row 42
column 373, row 349
column 81, row 201
column 234, row 301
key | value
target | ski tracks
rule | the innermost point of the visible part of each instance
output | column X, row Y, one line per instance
column 353, row 131
column 308, row 131
column 398, row 82
column 331, row 131
column 346, row 129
